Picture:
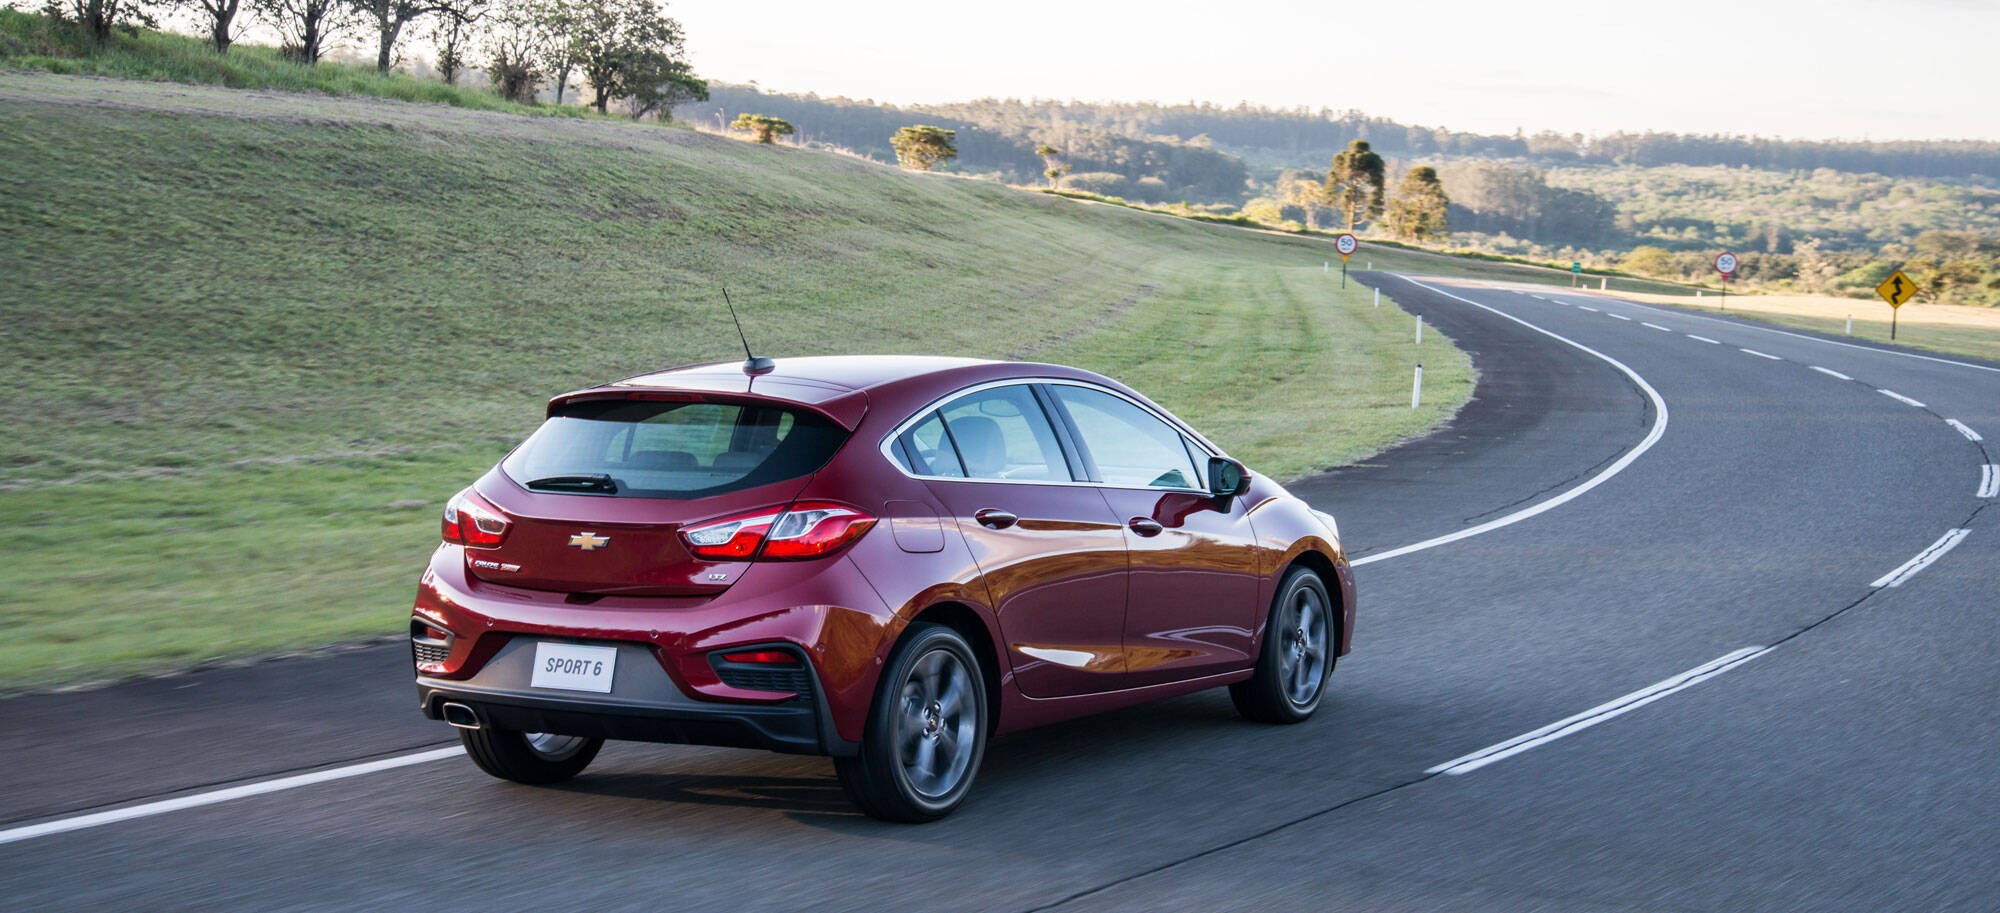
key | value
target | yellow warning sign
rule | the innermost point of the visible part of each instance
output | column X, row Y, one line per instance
column 1897, row 289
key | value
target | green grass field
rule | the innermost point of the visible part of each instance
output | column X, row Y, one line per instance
column 251, row 340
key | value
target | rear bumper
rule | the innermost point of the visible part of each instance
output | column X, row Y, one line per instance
column 794, row 728
column 645, row 705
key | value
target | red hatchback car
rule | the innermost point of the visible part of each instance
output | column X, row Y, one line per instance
column 882, row 559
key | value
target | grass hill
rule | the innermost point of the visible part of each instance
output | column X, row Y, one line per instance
column 250, row 340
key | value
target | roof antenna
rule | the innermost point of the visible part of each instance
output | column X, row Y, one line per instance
column 753, row 365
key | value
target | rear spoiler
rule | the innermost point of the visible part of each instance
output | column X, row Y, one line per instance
column 844, row 409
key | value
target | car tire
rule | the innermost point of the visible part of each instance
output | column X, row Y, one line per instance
column 1297, row 657
column 926, row 732
column 528, row 757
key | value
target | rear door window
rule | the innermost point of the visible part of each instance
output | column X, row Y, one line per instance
column 1002, row 433
column 671, row 450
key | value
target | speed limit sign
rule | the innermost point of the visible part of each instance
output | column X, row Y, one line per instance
column 1725, row 263
column 1347, row 245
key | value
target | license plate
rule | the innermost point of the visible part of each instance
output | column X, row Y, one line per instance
column 574, row 667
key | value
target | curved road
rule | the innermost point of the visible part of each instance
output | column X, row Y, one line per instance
column 1753, row 666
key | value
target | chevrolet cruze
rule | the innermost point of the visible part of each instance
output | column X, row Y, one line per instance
column 887, row 560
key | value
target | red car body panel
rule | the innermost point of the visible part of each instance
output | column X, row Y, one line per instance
column 1078, row 612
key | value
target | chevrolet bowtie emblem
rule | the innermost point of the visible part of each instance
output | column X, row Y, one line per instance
column 589, row 541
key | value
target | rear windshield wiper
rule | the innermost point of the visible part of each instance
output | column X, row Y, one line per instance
column 595, row 481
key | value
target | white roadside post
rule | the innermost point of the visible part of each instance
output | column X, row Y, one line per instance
column 1378, row 297
column 1603, row 283
column 1850, row 324
column 1417, row 387
column 1420, row 329
column 1326, row 266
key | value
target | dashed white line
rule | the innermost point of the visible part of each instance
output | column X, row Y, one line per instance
column 1655, row 326
column 1989, row 481
column 1599, row 713
column 1617, row 466
column 1585, row 307
column 1970, row 434
column 1617, row 316
column 1898, row 397
column 1831, row 372
column 79, row 822
column 1703, row 339
column 1945, row 543
column 1759, row 354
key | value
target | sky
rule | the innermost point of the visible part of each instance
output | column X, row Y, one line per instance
column 1891, row 69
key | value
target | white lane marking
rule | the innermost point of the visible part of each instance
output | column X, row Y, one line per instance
column 1759, row 354
column 1652, row 437
column 145, row 810
column 1831, row 372
column 1764, row 329
column 1703, row 339
column 1599, row 713
column 1970, row 434
column 1898, row 397
column 1580, row 306
column 1654, row 326
column 1617, row 316
column 1945, row 543
column 1989, row 481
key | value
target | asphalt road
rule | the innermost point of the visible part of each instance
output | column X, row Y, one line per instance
column 1842, row 757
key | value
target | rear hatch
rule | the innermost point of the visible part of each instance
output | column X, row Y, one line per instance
column 596, row 499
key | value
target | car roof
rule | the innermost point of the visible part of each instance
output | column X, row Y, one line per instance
column 836, row 386
column 846, row 372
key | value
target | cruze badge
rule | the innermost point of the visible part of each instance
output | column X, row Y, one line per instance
column 589, row 541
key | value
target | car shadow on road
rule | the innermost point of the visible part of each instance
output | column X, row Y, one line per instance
column 800, row 795
column 1041, row 759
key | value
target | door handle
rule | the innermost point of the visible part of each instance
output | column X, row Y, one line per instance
column 1145, row 526
column 995, row 518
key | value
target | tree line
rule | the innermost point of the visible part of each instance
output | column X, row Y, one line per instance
column 1301, row 132
column 1147, row 169
column 620, row 50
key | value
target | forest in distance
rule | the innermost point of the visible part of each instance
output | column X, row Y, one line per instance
column 1806, row 215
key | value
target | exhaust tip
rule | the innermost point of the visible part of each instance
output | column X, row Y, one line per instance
column 459, row 715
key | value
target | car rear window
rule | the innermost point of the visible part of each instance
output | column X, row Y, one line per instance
column 672, row 450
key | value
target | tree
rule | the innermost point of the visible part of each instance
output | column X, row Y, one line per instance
column 1305, row 193
column 1647, row 260
column 767, row 129
column 612, row 41
column 514, row 43
column 389, row 17
column 1419, row 213
column 921, row 147
column 1053, row 167
column 98, row 17
column 558, row 51
column 452, row 32
column 217, row 16
column 305, row 24
column 1354, row 185
column 657, row 83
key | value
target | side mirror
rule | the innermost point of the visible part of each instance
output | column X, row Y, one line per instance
column 1227, row 478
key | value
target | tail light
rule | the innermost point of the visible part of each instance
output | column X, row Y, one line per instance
column 765, row 657
column 469, row 520
column 808, row 529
